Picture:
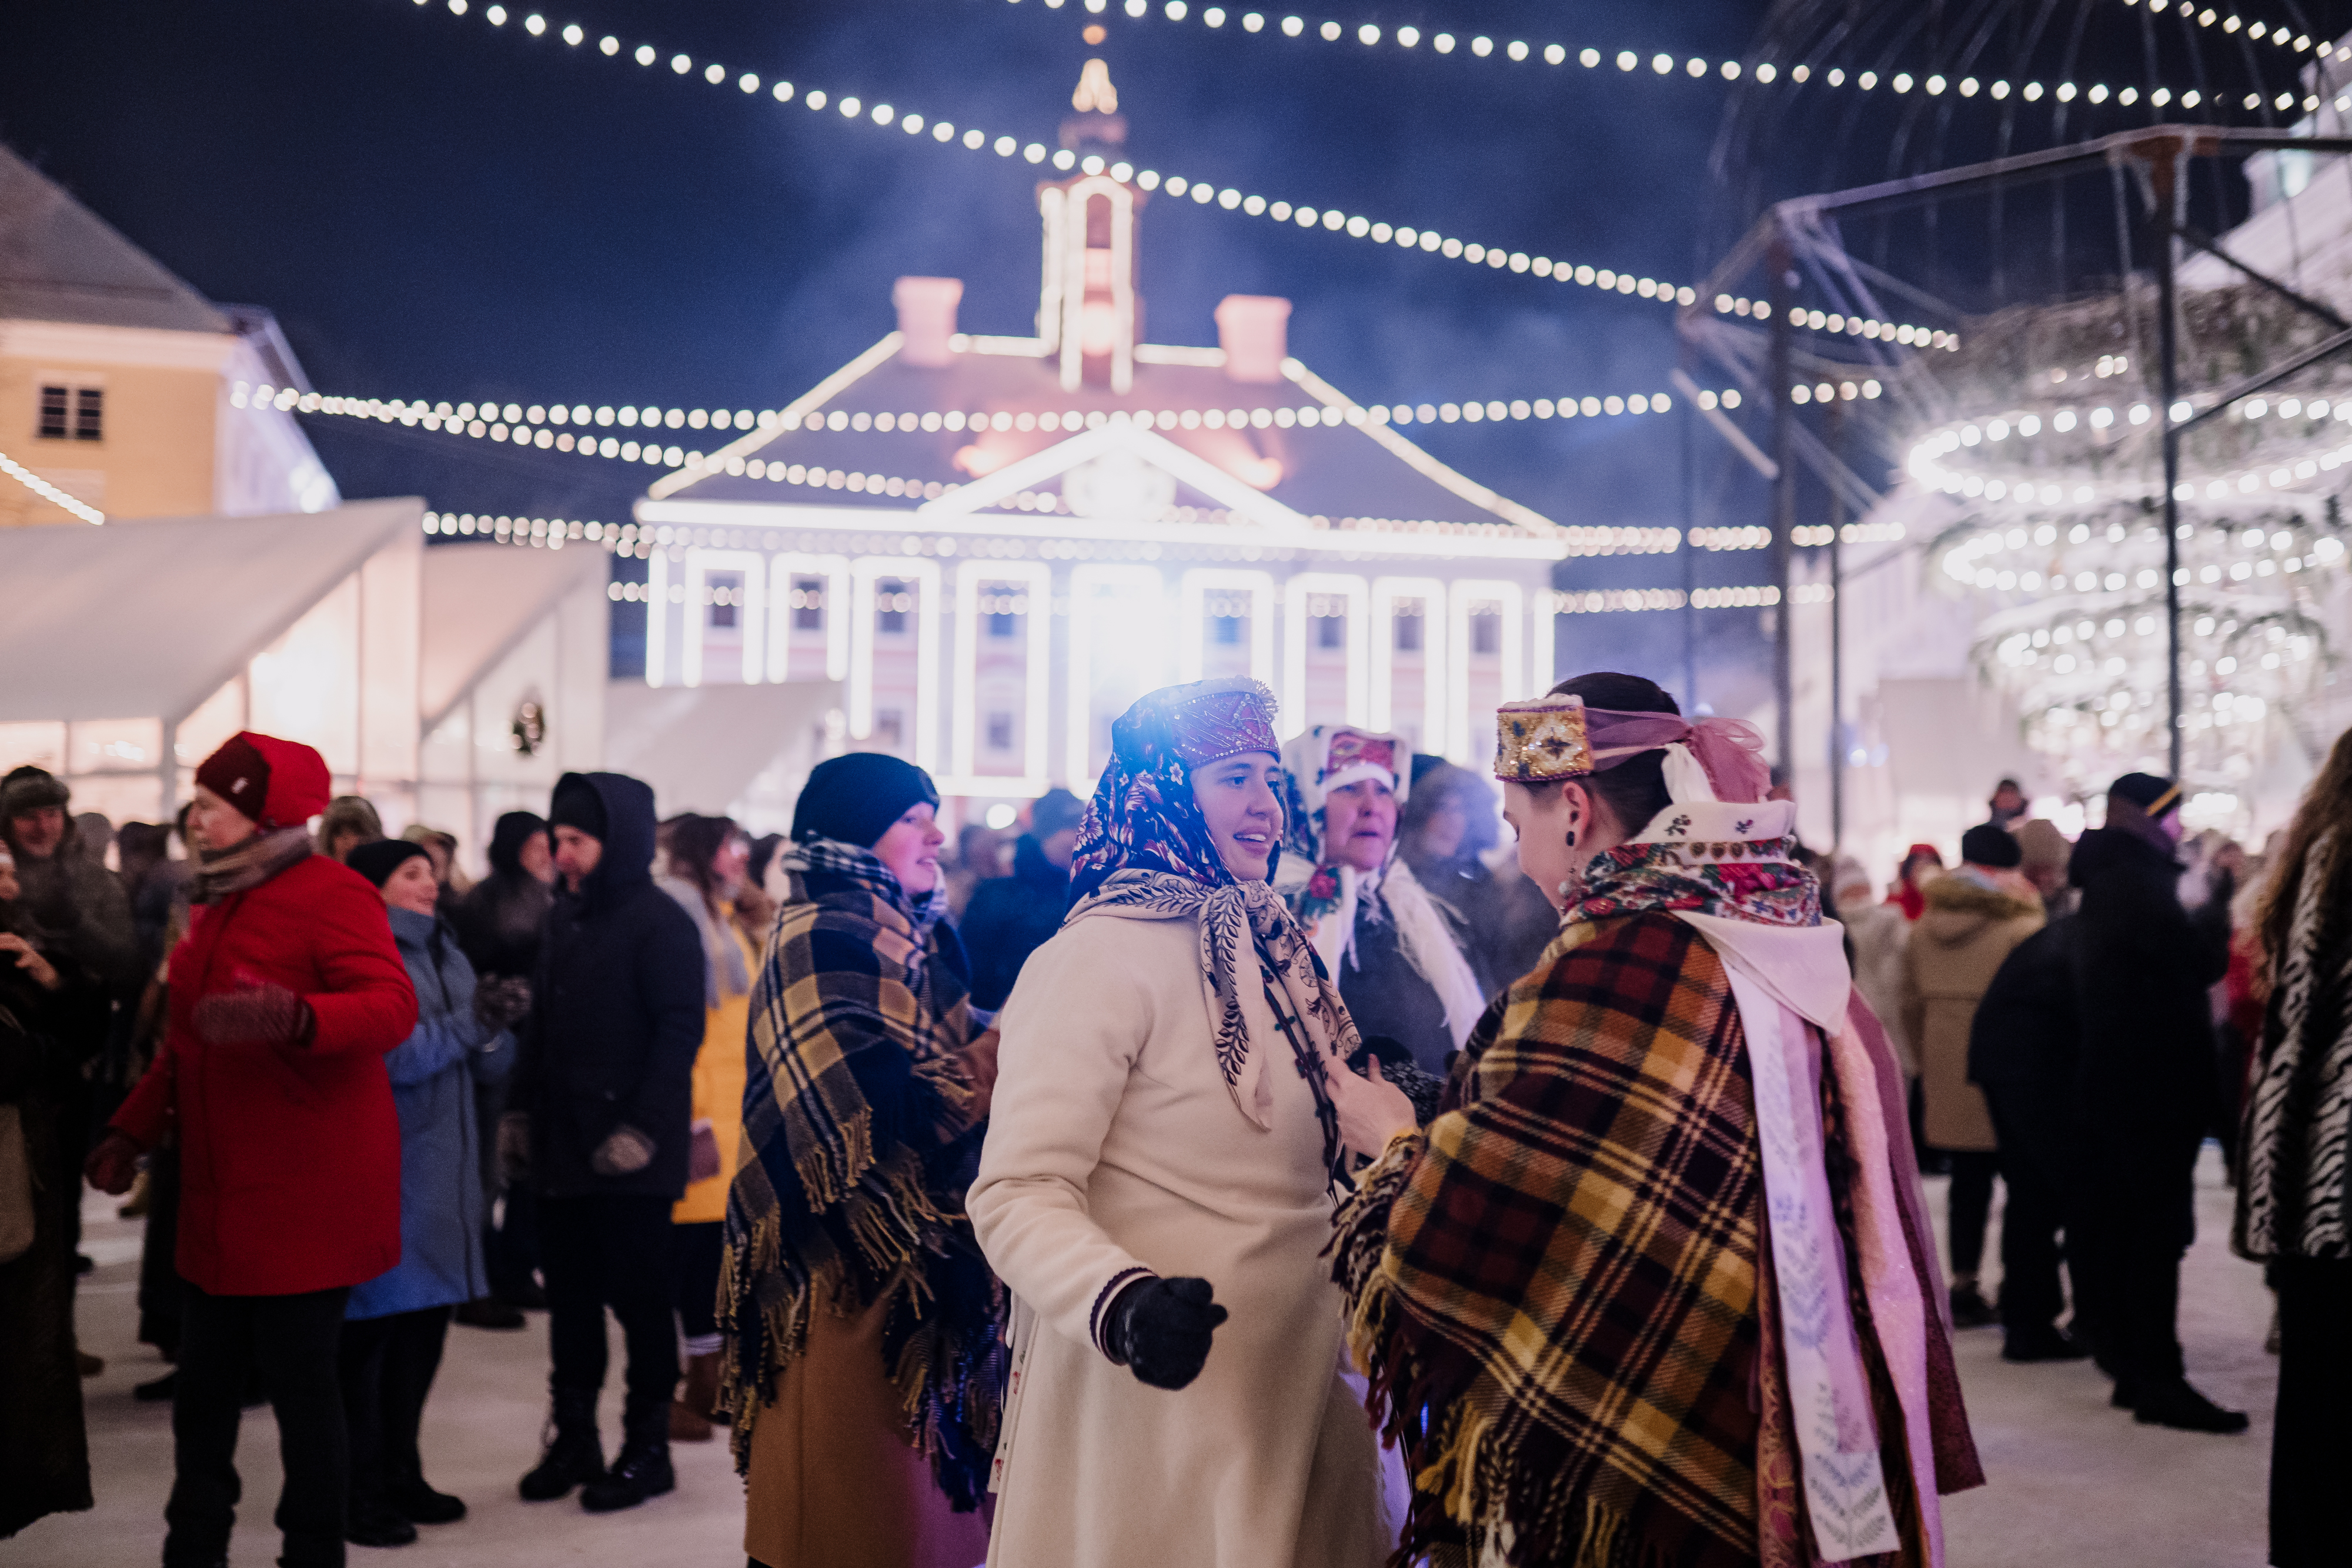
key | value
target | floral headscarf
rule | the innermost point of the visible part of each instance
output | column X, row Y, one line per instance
column 1145, row 853
column 1143, row 815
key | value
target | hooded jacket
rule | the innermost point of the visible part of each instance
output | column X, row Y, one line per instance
column 2141, row 969
column 1963, row 934
column 1010, row 917
column 290, row 1157
column 616, row 1014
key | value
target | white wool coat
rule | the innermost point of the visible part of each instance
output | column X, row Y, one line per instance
column 1113, row 1143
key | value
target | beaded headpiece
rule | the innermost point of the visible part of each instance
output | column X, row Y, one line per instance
column 1542, row 740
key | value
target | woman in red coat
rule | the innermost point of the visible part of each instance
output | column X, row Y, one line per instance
column 284, row 998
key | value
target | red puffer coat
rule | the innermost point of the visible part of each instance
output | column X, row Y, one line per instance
column 289, row 1157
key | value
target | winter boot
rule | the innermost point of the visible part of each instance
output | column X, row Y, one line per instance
column 2172, row 1402
column 689, row 1417
column 573, row 1457
column 643, row 1469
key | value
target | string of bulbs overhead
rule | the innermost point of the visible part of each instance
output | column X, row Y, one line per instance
column 1371, row 35
column 946, row 134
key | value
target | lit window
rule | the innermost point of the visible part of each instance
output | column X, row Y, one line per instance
column 726, row 596
column 1331, row 631
column 1000, row 728
column 808, row 605
column 1486, row 634
column 891, row 602
column 1408, row 633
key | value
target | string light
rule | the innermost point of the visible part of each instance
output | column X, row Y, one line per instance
column 1618, row 600
column 1204, row 193
column 1630, row 62
column 48, row 492
column 549, row 427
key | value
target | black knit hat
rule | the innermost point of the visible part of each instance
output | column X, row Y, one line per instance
column 578, row 805
column 2152, row 795
column 853, row 800
column 1986, row 845
column 377, row 861
column 514, row 830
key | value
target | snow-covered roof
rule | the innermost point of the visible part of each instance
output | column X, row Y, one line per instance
column 61, row 262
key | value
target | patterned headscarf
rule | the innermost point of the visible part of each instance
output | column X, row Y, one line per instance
column 1145, row 853
column 1142, row 814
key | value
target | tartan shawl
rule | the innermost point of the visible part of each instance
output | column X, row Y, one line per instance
column 1553, row 1288
column 859, row 1141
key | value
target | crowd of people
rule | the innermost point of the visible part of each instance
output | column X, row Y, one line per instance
column 1257, row 1164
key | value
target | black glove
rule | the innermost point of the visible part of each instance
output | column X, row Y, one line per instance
column 1160, row 1329
column 501, row 1001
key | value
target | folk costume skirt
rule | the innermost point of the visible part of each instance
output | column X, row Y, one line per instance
column 834, row 1479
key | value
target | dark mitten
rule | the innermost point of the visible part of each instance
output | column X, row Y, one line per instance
column 501, row 1001
column 256, row 1015
column 1159, row 1329
column 1396, row 1065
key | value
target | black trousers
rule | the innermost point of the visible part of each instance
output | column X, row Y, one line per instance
column 387, row 1366
column 598, row 1252
column 292, row 1342
column 2311, row 1448
column 701, row 1250
column 1969, row 1205
column 158, row 1276
column 2034, row 1164
column 2138, row 1219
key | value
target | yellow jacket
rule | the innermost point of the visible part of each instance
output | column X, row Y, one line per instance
column 719, row 1090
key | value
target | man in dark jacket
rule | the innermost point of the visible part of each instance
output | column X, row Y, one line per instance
column 499, row 923
column 599, row 1117
column 1011, row 918
column 2023, row 1046
column 2145, row 1090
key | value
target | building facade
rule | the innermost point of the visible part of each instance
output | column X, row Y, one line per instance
column 996, row 544
column 124, row 392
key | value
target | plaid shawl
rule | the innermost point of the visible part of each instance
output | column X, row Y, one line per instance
column 860, row 1140
column 1554, row 1287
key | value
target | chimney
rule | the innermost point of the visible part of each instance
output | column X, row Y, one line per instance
column 1253, row 329
column 927, row 317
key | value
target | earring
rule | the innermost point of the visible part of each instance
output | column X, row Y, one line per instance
column 1571, row 838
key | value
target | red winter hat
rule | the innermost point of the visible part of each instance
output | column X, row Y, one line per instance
column 277, row 783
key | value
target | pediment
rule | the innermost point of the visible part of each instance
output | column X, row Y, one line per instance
column 1117, row 472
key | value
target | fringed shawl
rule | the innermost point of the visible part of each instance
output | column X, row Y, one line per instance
column 860, row 1135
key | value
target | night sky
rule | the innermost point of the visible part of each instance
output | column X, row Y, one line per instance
column 439, row 208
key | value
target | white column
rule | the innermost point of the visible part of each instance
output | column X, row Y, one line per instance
column 1296, row 592
column 863, row 573
column 1507, row 597
column 751, row 619
column 1431, row 593
column 1036, row 580
column 1148, row 632
column 835, row 570
column 1192, row 597
column 658, row 617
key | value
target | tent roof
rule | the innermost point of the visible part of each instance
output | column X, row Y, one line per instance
column 481, row 600
column 146, row 619
column 61, row 262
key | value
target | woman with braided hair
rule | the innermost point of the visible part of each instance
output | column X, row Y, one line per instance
column 1172, row 1110
column 1657, row 1284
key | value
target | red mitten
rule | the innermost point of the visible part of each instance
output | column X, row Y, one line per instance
column 256, row 1015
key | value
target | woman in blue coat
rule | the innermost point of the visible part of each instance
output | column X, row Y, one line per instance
column 393, row 1328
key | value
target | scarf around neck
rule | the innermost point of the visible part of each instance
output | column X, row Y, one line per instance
column 1239, row 922
column 247, row 864
column 859, row 1132
column 1735, row 861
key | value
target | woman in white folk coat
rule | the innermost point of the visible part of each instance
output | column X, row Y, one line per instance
column 1156, row 1187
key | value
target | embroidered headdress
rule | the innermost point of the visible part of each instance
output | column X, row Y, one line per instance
column 1545, row 739
column 1142, row 814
